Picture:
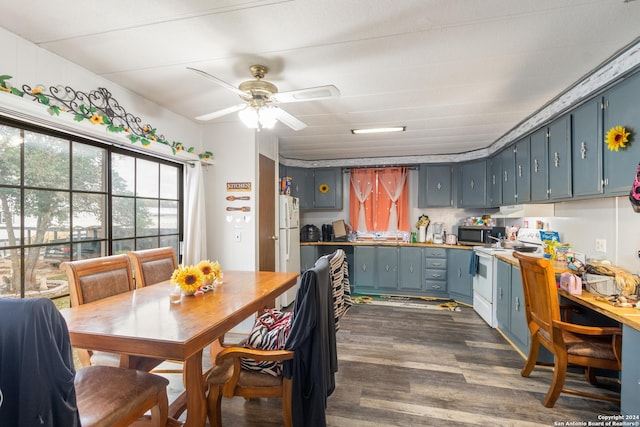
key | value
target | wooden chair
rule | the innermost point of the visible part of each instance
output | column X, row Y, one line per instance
column 94, row 279
column 151, row 266
column 41, row 386
column 592, row 347
column 229, row 379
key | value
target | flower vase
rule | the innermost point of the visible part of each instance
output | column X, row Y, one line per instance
column 422, row 234
column 188, row 293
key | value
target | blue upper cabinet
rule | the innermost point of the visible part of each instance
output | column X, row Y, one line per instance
column 523, row 171
column 494, row 181
column 508, row 161
column 622, row 108
column 560, row 159
column 473, row 185
column 327, row 188
column 435, row 186
column 539, row 166
column 586, row 136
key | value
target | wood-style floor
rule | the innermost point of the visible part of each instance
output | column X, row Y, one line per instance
column 424, row 367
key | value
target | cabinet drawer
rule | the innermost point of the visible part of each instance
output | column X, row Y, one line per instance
column 435, row 252
column 436, row 263
column 431, row 274
column 435, row 285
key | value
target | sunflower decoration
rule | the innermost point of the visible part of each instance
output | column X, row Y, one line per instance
column 210, row 270
column 617, row 138
column 423, row 221
column 189, row 278
column 324, row 188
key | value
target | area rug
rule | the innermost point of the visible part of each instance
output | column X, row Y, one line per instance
column 427, row 303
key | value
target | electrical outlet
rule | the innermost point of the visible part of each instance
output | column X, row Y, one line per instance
column 601, row 245
column 237, row 236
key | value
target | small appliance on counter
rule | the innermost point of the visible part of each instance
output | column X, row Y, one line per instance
column 475, row 235
column 309, row 233
column 327, row 232
column 438, row 232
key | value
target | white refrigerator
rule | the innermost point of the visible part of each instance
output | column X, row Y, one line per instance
column 289, row 242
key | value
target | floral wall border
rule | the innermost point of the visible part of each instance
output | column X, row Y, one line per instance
column 100, row 108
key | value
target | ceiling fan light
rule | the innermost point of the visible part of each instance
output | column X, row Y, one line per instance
column 267, row 117
column 380, row 130
column 249, row 116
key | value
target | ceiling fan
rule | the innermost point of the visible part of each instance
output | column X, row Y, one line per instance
column 259, row 109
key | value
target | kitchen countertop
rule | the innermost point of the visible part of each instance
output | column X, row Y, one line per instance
column 559, row 267
column 386, row 243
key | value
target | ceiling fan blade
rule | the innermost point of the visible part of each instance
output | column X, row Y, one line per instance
column 289, row 120
column 220, row 82
column 309, row 94
column 222, row 112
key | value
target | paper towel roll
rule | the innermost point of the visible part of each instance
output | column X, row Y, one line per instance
column 422, row 234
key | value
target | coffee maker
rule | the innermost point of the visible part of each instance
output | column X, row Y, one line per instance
column 327, row 232
column 438, row 232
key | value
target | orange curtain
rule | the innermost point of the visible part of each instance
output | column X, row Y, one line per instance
column 378, row 205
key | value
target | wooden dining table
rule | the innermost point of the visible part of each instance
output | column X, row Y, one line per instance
column 143, row 324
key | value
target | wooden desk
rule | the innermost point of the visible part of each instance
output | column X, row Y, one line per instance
column 143, row 323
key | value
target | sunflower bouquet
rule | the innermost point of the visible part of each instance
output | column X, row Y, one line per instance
column 211, row 271
column 188, row 278
column 423, row 221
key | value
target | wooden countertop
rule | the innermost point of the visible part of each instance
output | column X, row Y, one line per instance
column 559, row 267
column 386, row 243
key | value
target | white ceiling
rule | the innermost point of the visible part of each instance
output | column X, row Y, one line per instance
column 459, row 74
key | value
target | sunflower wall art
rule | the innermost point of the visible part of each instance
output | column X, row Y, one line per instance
column 617, row 137
column 324, row 188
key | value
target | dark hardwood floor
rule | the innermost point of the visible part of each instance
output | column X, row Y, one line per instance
column 424, row 367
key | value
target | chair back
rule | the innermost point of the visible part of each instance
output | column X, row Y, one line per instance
column 151, row 266
column 97, row 278
column 37, row 373
column 540, row 294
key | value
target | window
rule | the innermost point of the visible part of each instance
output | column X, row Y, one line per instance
column 64, row 198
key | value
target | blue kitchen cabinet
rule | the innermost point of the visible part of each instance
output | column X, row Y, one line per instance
column 308, row 257
column 630, row 380
column 435, row 272
column 364, row 260
column 386, row 268
column 523, row 170
column 327, row 191
column 560, row 165
column 510, row 309
column 508, row 162
column 410, row 270
column 435, row 186
column 587, row 145
column 494, row 181
column 459, row 281
column 621, row 108
column 539, row 165
column 301, row 185
column 473, row 184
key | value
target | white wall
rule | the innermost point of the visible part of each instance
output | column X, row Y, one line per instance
column 234, row 148
column 32, row 65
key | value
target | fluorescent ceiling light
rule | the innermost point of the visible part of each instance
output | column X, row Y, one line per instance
column 380, row 130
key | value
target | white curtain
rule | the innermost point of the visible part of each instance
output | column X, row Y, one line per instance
column 362, row 183
column 195, row 229
column 392, row 181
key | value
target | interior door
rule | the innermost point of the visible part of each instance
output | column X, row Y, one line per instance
column 266, row 215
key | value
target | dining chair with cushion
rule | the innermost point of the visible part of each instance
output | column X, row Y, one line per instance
column 590, row 347
column 311, row 339
column 151, row 266
column 94, row 279
column 40, row 386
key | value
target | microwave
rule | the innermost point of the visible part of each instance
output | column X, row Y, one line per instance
column 478, row 235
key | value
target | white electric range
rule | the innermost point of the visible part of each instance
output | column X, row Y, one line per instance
column 485, row 282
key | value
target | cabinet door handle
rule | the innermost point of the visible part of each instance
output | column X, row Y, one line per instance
column 520, row 171
column 364, row 267
column 517, row 305
column 435, row 286
column 506, row 177
column 535, row 165
column 493, row 179
column 387, row 267
column 556, row 159
column 436, row 264
column 583, row 150
column 459, row 272
column 439, row 186
column 411, row 268
column 473, row 184
column 435, row 275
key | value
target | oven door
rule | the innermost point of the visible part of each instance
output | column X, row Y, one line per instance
column 483, row 283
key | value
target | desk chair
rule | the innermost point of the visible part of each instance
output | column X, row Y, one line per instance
column 96, row 278
column 591, row 347
column 151, row 266
column 40, row 386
